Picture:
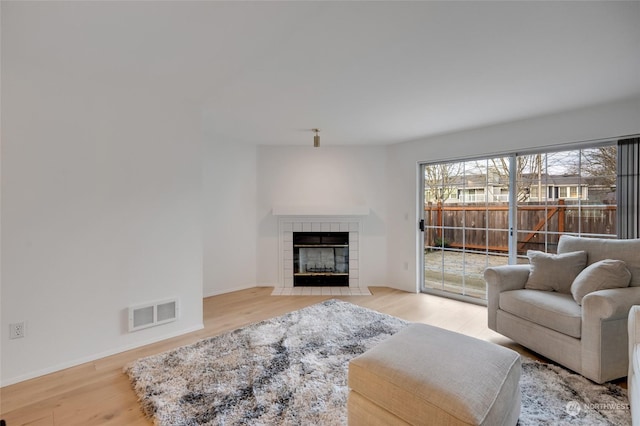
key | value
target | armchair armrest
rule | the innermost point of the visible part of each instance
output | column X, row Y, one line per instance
column 499, row 279
column 633, row 384
column 605, row 347
column 610, row 304
column 634, row 325
column 507, row 277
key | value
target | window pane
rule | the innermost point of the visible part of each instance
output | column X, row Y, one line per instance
column 433, row 268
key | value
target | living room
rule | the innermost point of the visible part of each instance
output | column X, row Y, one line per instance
column 145, row 145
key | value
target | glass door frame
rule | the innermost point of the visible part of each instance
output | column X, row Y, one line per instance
column 512, row 227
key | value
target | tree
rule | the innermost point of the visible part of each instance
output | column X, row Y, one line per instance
column 528, row 170
column 602, row 163
column 439, row 180
column 533, row 171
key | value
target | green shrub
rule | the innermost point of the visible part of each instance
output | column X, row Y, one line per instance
column 441, row 242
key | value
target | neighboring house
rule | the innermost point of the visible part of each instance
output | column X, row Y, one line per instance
column 480, row 189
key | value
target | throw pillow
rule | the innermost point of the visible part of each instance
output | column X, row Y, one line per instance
column 554, row 272
column 601, row 275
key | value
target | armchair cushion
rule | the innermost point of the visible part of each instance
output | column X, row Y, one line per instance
column 557, row 311
column 607, row 273
column 554, row 272
column 601, row 248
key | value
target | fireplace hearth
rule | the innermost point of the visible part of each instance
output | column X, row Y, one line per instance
column 320, row 259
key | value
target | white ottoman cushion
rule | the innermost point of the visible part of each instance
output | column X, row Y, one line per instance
column 428, row 375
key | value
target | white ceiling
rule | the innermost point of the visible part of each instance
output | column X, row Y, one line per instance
column 363, row 72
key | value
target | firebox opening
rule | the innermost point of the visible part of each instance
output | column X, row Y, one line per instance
column 320, row 259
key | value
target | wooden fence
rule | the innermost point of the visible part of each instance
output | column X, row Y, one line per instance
column 482, row 226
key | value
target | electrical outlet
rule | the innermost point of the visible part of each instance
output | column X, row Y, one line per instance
column 17, row 330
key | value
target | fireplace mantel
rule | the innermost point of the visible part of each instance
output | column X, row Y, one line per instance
column 320, row 210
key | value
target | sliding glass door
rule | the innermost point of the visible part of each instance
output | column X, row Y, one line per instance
column 466, row 223
column 490, row 211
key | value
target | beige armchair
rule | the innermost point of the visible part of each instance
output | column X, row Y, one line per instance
column 590, row 337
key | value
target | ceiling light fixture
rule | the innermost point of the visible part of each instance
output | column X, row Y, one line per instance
column 316, row 138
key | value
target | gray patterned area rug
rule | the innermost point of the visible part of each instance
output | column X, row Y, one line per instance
column 292, row 370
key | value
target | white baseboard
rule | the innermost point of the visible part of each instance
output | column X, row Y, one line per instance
column 65, row 365
column 207, row 292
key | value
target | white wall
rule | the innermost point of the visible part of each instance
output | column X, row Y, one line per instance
column 603, row 121
column 229, row 179
column 326, row 177
column 101, row 209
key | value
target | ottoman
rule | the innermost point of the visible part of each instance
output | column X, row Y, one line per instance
column 427, row 375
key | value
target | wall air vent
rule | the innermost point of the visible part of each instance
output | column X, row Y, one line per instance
column 152, row 314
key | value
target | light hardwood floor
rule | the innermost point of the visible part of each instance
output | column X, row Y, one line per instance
column 99, row 393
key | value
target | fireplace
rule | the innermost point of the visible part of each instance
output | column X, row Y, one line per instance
column 320, row 259
column 296, row 220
